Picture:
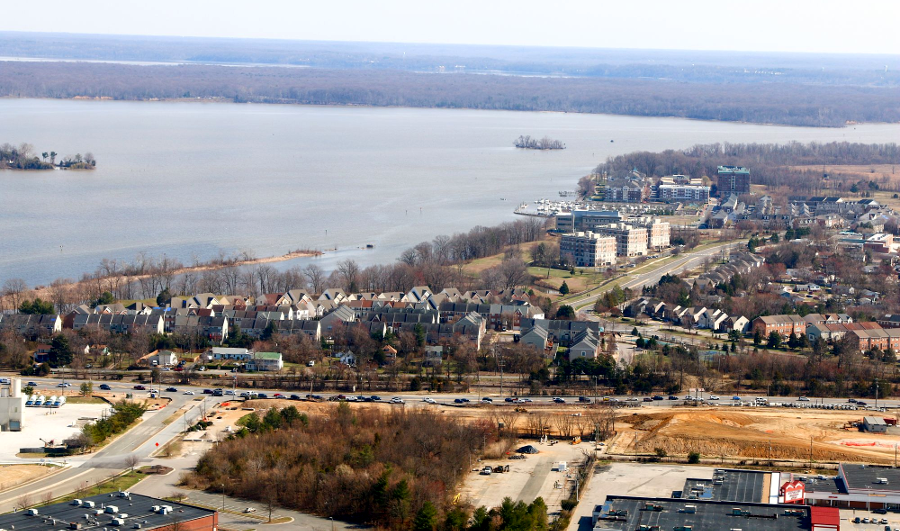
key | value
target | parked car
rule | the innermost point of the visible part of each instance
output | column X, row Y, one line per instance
column 105, row 387
column 486, row 471
column 171, row 390
column 429, row 400
column 188, row 393
column 139, row 388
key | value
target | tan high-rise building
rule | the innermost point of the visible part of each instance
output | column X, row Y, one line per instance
column 587, row 249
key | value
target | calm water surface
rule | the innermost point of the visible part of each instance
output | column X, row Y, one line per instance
column 189, row 179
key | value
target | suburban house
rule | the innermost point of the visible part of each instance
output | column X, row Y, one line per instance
column 42, row 353
column 265, row 361
column 538, row 337
column 347, row 358
column 229, row 354
column 585, row 345
column 738, row 323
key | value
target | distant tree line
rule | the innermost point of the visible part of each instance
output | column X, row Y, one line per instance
column 526, row 142
column 774, row 165
column 23, row 157
column 783, row 103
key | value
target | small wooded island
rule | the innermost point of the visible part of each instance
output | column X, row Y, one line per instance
column 24, row 157
column 526, row 142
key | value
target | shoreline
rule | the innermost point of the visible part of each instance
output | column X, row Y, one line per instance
column 44, row 292
column 222, row 100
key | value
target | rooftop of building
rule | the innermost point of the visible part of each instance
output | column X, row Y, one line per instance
column 621, row 513
column 139, row 510
column 881, row 478
column 745, row 486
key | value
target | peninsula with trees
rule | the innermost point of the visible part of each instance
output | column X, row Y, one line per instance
column 24, row 157
column 526, row 142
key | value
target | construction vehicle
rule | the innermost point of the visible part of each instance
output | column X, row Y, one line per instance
column 501, row 469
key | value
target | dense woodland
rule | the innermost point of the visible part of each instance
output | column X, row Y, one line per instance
column 784, row 103
column 389, row 468
column 773, row 165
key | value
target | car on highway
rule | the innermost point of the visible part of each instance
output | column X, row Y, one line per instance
column 189, row 393
column 526, row 400
column 64, row 384
column 860, row 403
column 632, row 399
column 658, row 397
column 229, row 392
column 105, row 387
column 487, row 400
column 32, row 384
column 673, row 397
column 397, row 400
column 207, row 391
column 262, row 395
column 278, row 395
column 429, row 400
column 509, row 399
column 376, row 398
column 559, row 400
column 802, row 399
column 583, row 399
column 851, row 400
column 713, row 397
column 295, row 397
column 171, row 390
column 139, row 388
column 735, row 397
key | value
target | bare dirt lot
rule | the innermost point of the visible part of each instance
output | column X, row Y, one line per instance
column 753, row 433
column 16, row 475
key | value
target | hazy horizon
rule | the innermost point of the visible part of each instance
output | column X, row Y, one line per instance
column 763, row 26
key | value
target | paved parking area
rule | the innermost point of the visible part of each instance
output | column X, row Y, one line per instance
column 528, row 478
column 48, row 424
column 875, row 524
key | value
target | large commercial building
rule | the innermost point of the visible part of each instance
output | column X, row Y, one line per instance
column 12, row 405
column 583, row 220
column 733, row 180
column 119, row 511
column 588, row 249
column 683, row 193
column 630, row 241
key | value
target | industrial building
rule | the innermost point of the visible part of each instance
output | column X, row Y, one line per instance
column 12, row 405
column 108, row 511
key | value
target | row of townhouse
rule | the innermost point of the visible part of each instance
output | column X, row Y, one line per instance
column 740, row 262
column 688, row 317
column 785, row 325
column 29, row 325
column 580, row 338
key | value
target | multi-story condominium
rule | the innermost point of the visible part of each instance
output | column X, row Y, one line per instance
column 587, row 249
column 733, row 180
column 659, row 233
column 630, row 241
column 626, row 190
column 672, row 193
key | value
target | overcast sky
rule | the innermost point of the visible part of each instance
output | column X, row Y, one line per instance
column 839, row 26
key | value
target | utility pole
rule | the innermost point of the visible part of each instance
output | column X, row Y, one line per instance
column 876, row 394
column 810, row 453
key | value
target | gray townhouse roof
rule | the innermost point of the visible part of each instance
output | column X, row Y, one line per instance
column 28, row 324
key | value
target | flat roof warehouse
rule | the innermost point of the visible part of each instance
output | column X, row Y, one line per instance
column 122, row 510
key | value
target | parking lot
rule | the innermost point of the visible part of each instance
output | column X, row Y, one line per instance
column 536, row 475
column 869, row 520
column 49, row 424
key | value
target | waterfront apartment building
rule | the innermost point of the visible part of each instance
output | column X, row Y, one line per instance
column 587, row 249
column 626, row 190
column 580, row 220
column 630, row 241
column 733, row 180
column 683, row 193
